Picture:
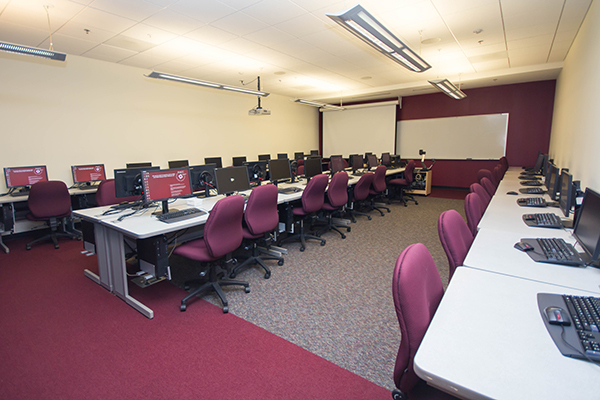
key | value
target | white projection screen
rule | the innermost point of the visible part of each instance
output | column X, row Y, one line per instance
column 477, row 137
column 359, row 130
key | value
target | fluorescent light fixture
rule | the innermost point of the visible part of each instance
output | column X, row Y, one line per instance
column 32, row 51
column 362, row 24
column 169, row 77
column 318, row 104
column 447, row 87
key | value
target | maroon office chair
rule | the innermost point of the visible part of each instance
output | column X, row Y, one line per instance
column 311, row 202
column 504, row 163
column 456, row 239
column 474, row 210
column 480, row 190
column 50, row 201
column 360, row 193
column 260, row 220
column 378, row 188
column 486, row 173
column 488, row 186
column 300, row 167
column 417, row 290
column 498, row 173
column 222, row 235
column 105, row 195
column 337, row 198
column 400, row 186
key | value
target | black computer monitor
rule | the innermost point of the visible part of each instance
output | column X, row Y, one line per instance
column 86, row 174
column 238, row 161
column 566, row 199
column 336, row 164
column 539, row 163
column 166, row 184
column 203, row 178
column 279, row 170
column 264, row 157
column 214, row 160
column 357, row 162
column 298, row 155
column 231, row 180
column 545, row 161
column 257, row 171
column 178, row 164
column 553, row 181
column 23, row 177
column 587, row 227
column 372, row 160
column 128, row 181
column 312, row 167
column 386, row 159
column 314, row 152
column 138, row 165
column 282, row 155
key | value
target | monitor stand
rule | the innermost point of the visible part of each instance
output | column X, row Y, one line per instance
column 165, row 208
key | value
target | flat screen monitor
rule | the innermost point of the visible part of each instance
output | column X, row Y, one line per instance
column 166, row 184
column 282, row 155
column 231, row 180
column 214, row 160
column 128, row 181
column 357, row 162
column 203, row 177
column 279, row 170
column 238, row 161
column 25, row 176
column 178, row 164
column 138, row 165
column 386, row 159
column 545, row 162
column 298, row 156
column 336, row 164
column 587, row 227
column 88, row 173
column 372, row 160
column 552, row 181
column 257, row 171
column 312, row 167
column 314, row 152
column 566, row 199
column 539, row 163
column 264, row 157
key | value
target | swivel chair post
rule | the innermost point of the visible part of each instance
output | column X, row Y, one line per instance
column 54, row 234
column 257, row 258
column 303, row 237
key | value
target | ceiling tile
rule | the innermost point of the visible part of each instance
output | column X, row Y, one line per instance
column 171, row 21
column 148, row 34
column 93, row 18
column 205, row 11
column 239, row 24
column 68, row 44
column 274, row 11
column 109, row 53
column 137, row 10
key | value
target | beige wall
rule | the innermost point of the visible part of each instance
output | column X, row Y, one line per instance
column 575, row 139
column 87, row 111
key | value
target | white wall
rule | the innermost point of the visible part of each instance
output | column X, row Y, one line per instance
column 86, row 111
column 575, row 139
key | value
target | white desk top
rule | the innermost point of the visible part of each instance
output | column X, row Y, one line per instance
column 488, row 336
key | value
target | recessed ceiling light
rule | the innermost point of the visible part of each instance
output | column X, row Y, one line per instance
column 431, row 40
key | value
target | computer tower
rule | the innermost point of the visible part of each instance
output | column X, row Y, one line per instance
column 153, row 255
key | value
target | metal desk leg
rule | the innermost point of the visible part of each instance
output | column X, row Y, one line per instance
column 102, row 250
column 4, row 247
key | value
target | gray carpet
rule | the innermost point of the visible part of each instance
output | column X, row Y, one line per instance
column 336, row 300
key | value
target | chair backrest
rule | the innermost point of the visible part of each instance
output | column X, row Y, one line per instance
column 488, row 186
column 456, row 239
column 261, row 214
column 223, row 231
column 417, row 290
column 485, row 173
column 105, row 195
column 313, row 196
column 361, row 189
column 300, row 167
column 498, row 173
column 49, row 199
column 504, row 163
column 474, row 210
column 379, row 184
column 337, row 192
column 409, row 172
column 480, row 190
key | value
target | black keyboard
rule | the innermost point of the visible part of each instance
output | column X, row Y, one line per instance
column 543, row 220
column 358, row 173
column 529, row 177
column 532, row 190
column 532, row 202
column 557, row 251
column 585, row 315
column 180, row 215
column 289, row 190
column 531, row 183
column 20, row 193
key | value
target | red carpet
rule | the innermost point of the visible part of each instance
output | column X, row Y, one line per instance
column 63, row 336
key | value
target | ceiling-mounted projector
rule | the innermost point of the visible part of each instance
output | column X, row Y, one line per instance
column 259, row 111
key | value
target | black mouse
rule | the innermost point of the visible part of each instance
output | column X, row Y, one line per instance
column 557, row 316
column 511, row 192
column 523, row 246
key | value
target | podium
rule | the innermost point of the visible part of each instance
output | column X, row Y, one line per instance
column 421, row 182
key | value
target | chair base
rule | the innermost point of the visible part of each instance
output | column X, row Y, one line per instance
column 403, row 197
column 302, row 237
column 353, row 213
column 254, row 259
column 54, row 237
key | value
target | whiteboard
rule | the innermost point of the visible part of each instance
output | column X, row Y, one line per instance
column 454, row 138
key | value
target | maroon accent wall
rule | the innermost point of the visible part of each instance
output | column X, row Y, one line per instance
column 529, row 105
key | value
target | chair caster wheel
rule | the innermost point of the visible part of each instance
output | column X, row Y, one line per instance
column 247, row 289
column 225, row 310
column 182, row 307
column 349, row 229
column 232, row 275
column 280, row 262
column 56, row 246
column 28, row 247
column 389, row 211
column 416, row 204
column 323, row 243
column 267, row 276
column 398, row 395
column 343, row 237
column 369, row 217
column 302, row 248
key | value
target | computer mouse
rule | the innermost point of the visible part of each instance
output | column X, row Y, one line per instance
column 523, row 246
column 511, row 192
column 529, row 217
column 557, row 316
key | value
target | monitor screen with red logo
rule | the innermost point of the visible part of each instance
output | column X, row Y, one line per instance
column 88, row 173
column 25, row 176
column 166, row 184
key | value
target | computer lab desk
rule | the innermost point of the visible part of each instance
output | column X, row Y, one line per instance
column 487, row 340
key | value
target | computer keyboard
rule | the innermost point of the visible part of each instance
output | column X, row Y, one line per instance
column 557, row 251
column 532, row 202
column 20, row 193
column 180, row 215
column 531, row 183
column 289, row 190
column 532, row 190
column 543, row 220
column 358, row 173
column 528, row 176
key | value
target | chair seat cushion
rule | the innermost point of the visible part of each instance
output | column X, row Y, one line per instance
column 329, row 207
column 32, row 217
column 249, row 235
column 299, row 211
column 195, row 250
column 398, row 181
